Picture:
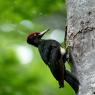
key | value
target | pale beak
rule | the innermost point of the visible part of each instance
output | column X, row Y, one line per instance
column 43, row 32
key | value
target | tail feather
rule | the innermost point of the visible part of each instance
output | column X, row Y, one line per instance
column 72, row 80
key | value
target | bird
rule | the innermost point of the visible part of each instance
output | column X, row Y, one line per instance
column 54, row 56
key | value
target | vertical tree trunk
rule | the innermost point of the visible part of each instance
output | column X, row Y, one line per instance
column 81, row 37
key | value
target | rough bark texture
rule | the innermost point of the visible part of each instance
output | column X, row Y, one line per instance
column 81, row 38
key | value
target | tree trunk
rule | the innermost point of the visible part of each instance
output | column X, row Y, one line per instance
column 81, row 38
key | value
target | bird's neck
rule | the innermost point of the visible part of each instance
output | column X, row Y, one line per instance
column 36, row 42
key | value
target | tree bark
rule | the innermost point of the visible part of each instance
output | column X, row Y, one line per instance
column 81, row 38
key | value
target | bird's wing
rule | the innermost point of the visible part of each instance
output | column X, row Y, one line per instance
column 51, row 55
column 49, row 52
column 56, row 65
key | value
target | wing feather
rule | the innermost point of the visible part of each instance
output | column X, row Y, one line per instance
column 51, row 55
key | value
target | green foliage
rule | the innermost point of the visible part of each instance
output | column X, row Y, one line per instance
column 33, row 78
column 16, row 10
column 19, row 79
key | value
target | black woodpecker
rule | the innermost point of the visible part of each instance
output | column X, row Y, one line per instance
column 54, row 56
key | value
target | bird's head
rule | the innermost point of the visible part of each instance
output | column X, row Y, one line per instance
column 35, row 37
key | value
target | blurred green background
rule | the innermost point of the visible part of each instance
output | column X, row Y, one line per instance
column 22, row 72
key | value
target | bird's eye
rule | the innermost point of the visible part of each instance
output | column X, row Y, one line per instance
column 35, row 35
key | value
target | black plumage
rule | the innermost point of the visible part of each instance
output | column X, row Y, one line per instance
column 51, row 55
column 55, row 57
